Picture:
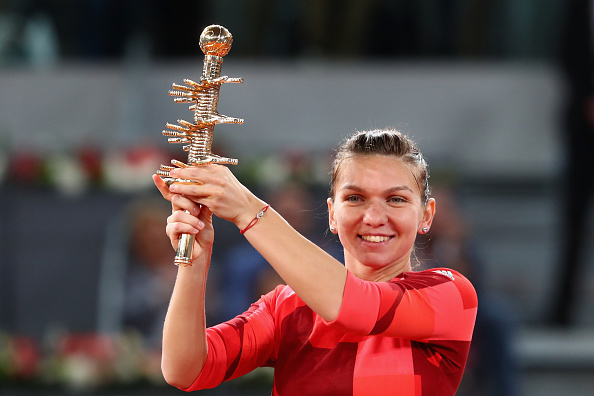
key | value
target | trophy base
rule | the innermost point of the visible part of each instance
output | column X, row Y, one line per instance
column 182, row 261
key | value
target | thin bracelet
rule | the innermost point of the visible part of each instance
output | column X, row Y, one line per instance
column 255, row 219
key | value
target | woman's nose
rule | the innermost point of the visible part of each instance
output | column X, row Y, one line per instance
column 375, row 215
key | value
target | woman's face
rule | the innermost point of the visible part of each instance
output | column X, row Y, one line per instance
column 377, row 213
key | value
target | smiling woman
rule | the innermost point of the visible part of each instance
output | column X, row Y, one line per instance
column 369, row 327
column 377, row 212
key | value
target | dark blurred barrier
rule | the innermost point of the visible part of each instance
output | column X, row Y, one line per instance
column 51, row 249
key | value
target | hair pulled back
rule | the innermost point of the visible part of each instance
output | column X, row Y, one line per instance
column 387, row 142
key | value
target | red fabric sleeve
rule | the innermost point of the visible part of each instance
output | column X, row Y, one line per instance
column 239, row 345
column 438, row 304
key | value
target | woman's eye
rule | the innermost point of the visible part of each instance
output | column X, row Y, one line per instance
column 353, row 198
column 396, row 199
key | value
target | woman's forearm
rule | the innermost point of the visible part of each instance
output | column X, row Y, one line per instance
column 316, row 277
column 184, row 331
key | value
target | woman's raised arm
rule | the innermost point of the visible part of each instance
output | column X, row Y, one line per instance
column 184, row 330
column 316, row 277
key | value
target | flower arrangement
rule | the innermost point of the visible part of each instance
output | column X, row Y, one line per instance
column 125, row 170
column 130, row 170
column 79, row 361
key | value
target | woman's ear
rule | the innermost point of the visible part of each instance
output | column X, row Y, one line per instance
column 331, row 223
column 428, row 215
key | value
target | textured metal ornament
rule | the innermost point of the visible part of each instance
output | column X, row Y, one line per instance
column 215, row 42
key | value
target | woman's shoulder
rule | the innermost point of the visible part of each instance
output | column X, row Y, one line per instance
column 438, row 273
column 438, row 276
column 463, row 285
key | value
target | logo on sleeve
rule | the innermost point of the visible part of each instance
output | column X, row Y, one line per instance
column 446, row 273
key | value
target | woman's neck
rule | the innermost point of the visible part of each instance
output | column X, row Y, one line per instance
column 376, row 274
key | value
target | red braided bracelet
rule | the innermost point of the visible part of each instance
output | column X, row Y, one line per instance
column 255, row 219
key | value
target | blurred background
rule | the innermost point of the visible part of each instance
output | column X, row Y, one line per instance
column 497, row 93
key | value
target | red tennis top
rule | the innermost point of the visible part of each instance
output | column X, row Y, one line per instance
column 408, row 336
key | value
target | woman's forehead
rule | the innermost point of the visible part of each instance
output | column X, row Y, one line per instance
column 373, row 169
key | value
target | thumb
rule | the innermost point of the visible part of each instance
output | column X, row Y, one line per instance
column 205, row 215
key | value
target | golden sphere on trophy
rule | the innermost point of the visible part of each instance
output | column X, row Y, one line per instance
column 216, row 40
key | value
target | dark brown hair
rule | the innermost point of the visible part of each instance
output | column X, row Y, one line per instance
column 388, row 142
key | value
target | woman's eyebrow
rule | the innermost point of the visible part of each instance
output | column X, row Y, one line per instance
column 398, row 188
column 351, row 187
column 390, row 190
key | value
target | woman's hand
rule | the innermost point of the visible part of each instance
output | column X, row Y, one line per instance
column 215, row 187
column 189, row 218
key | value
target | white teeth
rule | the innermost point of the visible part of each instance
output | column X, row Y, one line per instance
column 375, row 238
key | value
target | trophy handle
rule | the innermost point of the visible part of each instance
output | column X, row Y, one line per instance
column 183, row 256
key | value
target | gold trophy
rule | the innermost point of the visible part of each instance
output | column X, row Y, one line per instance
column 215, row 42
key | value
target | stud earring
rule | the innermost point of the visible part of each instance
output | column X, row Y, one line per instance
column 332, row 229
column 425, row 230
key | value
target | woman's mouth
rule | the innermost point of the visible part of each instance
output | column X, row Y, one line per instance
column 375, row 238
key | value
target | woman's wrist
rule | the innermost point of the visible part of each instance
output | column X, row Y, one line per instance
column 199, row 267
column 255, row 219
column 251, row 215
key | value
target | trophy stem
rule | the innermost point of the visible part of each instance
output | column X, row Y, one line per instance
column 215, row 42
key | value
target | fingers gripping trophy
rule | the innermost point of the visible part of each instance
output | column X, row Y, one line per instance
column 215, row 42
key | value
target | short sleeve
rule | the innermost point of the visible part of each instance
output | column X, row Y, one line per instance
column 438, row 304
